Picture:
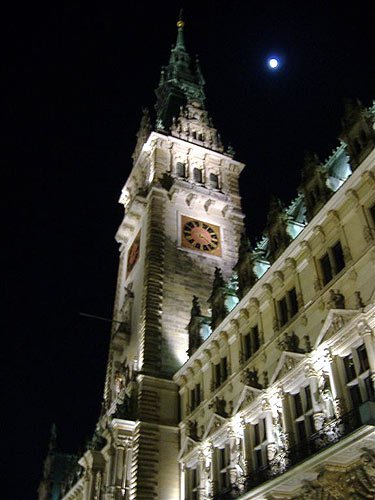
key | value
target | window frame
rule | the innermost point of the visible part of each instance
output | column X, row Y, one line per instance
column 304, row 418
column 334, row 256
column 357, row 376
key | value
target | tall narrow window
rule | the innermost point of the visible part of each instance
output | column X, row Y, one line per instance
column 292, row 302
column 338, row 258
column 303, row 413
column 332, row 262
column 259, row 442
column 358, row 376
column 223, row 462
column 372, row 212
column 246, row 346
column 325, row 266
column 214, row 181
column 283, row 311
column 180, row 169
column 197, row 174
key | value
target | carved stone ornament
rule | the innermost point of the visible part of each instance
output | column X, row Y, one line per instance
column 336, row 300
column 364, row 328
column 335, row 483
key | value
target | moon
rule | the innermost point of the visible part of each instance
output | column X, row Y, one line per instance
column 273, row 63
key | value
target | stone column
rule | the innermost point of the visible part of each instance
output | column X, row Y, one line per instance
column 367, row 333
column 318, row 415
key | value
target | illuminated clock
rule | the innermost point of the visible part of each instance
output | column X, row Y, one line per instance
column 133, row 254
column 200, row 236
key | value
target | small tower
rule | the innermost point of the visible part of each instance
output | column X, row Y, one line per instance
column 358, row 130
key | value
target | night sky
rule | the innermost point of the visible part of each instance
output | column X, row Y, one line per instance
column 77, row 76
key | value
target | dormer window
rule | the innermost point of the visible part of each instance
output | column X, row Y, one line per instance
column 180, row 169
column 197, row 175
column 214, row 181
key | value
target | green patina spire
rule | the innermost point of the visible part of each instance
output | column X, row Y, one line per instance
column 181, row 82
column 180, row 43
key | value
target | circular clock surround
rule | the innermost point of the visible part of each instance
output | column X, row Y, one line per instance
column 200, row 236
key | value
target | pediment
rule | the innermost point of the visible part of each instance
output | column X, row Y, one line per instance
column 335, row 320
column 188, row 445
column 287, row 362
column 247, row 396
column 214, row 424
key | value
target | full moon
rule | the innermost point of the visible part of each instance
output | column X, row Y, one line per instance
column 273, row 63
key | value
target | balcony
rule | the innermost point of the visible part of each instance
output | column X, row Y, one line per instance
column 330, row 434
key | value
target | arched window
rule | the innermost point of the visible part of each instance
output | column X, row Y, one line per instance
column 214, row 181
column 197, row 174
column 180, row 169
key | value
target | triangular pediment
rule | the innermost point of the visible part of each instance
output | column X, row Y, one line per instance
column 335, row 320
column 188, row 445
column 287, row 362
column 214, row 424
column 247, row 396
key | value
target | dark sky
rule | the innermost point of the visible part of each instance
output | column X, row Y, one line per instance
column 77, row 75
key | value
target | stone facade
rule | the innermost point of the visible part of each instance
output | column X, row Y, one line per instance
column 264, row 387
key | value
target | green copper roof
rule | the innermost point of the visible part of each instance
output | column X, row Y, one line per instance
column 180, row 81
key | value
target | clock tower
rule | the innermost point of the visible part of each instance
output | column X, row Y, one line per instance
column 182, row 220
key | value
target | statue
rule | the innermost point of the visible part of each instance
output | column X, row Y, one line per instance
column 359, row 304
column 250, row 377
column 336, row 300
column 219, row 404
column 193, row 430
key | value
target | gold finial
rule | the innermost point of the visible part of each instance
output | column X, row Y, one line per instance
column 180, row 22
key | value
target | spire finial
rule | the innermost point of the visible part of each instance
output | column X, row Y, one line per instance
column 180, row 44
column 180, row 22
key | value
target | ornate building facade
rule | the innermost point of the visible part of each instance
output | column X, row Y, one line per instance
column 236, row 372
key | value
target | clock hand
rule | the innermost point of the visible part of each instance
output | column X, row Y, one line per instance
column 202, row 236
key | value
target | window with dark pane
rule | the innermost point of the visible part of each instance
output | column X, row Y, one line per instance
column 293, row 302
column 372, row 212
column 283, row 311
column 325, row 266
column 224, row 368
column 298, row 404
column 370, row 391
column 217, row 375
column 338, row 257
column 257, row 434
column 197, row 174
column 355, row 396
column 363, row 358
column 308, row 400
column 214, row 181
column 301, row 430
column 180, row 169
column 349, row 368
column 247, row 346
column 255, row 338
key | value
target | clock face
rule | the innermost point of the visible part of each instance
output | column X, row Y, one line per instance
column 133, row 254
column 200, row 236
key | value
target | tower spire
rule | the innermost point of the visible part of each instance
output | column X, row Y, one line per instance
column 181, row 81
column 180, row 43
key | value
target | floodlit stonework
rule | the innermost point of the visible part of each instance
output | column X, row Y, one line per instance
column 233, row 371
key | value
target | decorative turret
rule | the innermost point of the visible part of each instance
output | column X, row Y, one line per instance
column 245, row 266
column 222, row 300
column 358, row 130
column 46, row 485
column 277, row 225
column 181, row 81
column 198, row 327
column 314, row 185
column 144, row 131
